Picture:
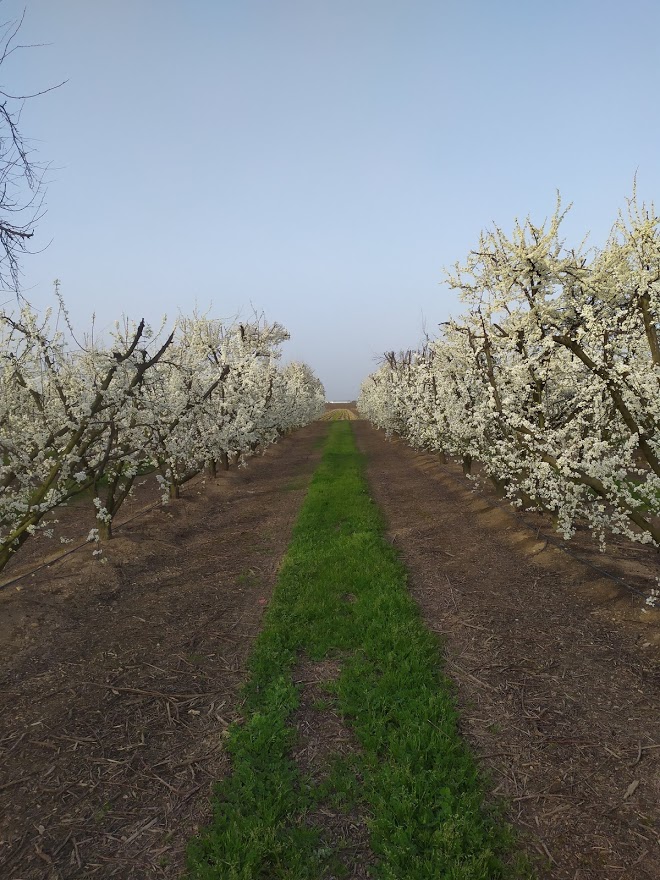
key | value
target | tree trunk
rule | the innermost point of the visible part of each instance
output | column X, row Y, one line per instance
column 499, row 485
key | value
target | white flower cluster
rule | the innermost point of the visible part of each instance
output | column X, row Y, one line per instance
column 98, row 416
column 551, row 377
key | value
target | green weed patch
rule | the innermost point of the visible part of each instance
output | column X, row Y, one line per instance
column 412, row 777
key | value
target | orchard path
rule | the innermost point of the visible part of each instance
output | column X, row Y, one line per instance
column 561, row 703
column 118, row 680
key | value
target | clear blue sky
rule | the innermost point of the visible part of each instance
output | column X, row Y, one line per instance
column 322, row 159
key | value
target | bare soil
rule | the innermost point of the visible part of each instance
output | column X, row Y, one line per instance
column 556, row 666
column 119, row 677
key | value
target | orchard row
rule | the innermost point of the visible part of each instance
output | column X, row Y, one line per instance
column 550, row 378
column 93, row 417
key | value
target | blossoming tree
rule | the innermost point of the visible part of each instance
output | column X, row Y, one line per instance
column 95, row 416
column 550, row 378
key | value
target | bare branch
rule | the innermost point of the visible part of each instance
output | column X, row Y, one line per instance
column 22, row 179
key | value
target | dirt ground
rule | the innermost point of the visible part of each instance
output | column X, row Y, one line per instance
column 556, row 666
column 119, row 677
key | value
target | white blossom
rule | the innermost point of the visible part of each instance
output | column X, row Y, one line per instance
column 550, row 377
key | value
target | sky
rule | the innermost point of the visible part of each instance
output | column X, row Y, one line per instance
column 322, row 161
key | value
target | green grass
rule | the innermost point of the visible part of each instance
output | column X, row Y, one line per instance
column 413, row 777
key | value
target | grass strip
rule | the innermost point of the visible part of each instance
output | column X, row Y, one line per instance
column 417, row 781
